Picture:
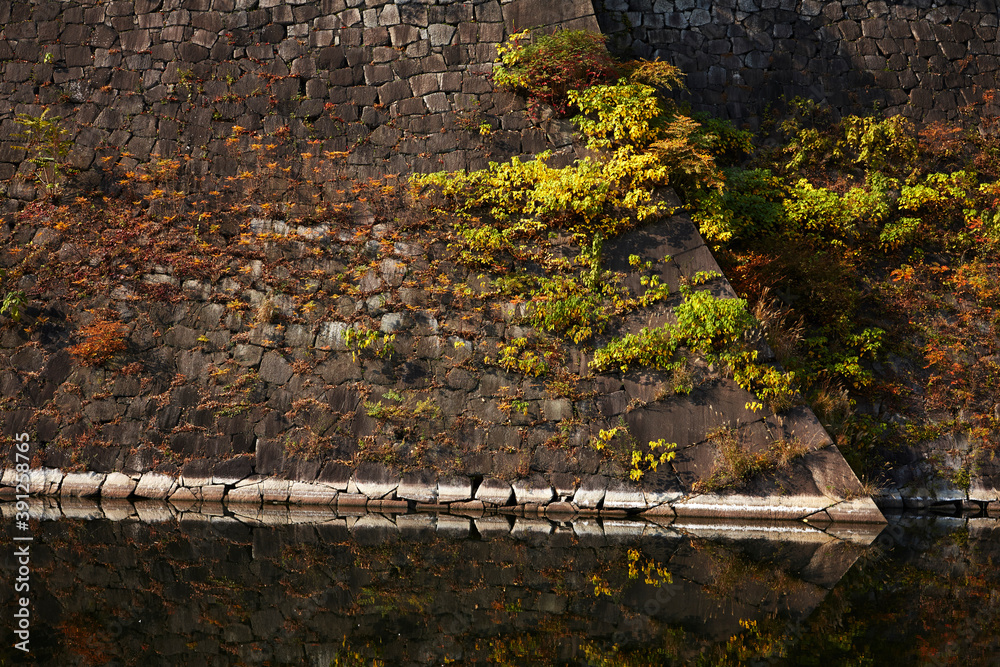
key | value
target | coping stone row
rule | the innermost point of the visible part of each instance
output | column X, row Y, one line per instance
column 374, row 487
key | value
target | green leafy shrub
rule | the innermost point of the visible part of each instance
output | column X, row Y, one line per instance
column 880, row 144
column 651, row 460
column 939, row 193
column 526, row 198
column 900, row 232
column 619, row 443
column 750, row 206
column 705, row 324
column 655, row 73
column 818, row 209
column 722, row 140
column 627, row 114
column 874, row 144
column 709, row 326
column 651, row 146
column 565, row 307
column 521, row 358
column 13, row 302
column 360, row 338
column 47, row 145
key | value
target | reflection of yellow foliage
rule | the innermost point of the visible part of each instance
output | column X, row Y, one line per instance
column 348, row 657
column 601, row 587
column 507, row 651
column 651, row 572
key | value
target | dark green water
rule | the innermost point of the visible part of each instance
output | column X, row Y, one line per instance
column 153, row 586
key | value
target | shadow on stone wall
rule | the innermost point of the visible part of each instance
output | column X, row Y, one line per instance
column 744, row 57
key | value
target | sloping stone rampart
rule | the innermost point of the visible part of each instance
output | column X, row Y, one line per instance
column 228, row 404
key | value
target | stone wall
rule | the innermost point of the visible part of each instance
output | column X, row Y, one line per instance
column 923, row 59
column 402, row 86
column 239, row 364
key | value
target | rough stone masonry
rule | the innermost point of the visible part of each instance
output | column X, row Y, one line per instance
column 926, row 60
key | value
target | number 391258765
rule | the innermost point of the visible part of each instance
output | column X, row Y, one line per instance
column 22, row 463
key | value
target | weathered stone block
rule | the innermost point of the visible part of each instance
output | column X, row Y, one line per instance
column 591, row 493
column 80, row 484
column 535, row 489
column 212, row 493
column 331, row 336
column 420, row 486
column 785, row 508
column 155, row 486
column 453, row 489
column 117, row 486
column 275, row 490
column 494, row 492
column 375, row 480
column 623, row 496
column 183, row 495
column 560, row 511
column 393, row 91
column 352, row 500
column 857, row 510
column 274, row 369
column 245, row 494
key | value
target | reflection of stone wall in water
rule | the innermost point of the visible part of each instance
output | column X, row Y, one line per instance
column 410, row 589
column 925, row 60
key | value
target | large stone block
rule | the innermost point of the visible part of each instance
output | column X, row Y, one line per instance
column 155, row 486
column 117, row 486
column 274, row 368
column 419, row 486
column 522, row 14
column 80, row 484
column 686, row 420
column 245, row 494
column 375, row 480
column 454, row 489
column 832, row 475
column 624, row 496
column 590, row 495
column 785, row 508
column 494, row 492
column 535, row 489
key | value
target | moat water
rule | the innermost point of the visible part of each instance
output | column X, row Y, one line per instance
column 149, row 584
